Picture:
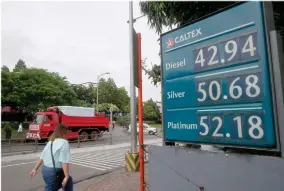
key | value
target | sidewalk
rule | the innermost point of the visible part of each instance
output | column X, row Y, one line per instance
column 119, row 180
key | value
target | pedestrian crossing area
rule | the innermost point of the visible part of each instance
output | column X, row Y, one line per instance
column 102, row 160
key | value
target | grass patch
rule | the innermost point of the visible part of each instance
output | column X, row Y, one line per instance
column 156, row 125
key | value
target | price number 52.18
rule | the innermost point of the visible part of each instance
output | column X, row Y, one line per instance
column 253, row 126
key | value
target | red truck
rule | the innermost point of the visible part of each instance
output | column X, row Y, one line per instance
column 81, row 121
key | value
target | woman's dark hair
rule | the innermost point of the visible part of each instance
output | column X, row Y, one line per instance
column 59, row 132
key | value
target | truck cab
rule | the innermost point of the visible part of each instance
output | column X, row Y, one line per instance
column 42, row 125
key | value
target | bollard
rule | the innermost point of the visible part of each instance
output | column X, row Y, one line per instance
column 78, row 145
column 36, row 145
column 10, row 145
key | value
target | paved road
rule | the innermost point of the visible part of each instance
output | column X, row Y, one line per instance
column 85, row 162
column 118, row 136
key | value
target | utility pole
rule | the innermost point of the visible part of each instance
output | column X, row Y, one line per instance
column 132, row 86
column 132, row 157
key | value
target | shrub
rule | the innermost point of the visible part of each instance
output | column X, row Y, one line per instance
column 7, row 127
column 122, row 121
column 15, row 125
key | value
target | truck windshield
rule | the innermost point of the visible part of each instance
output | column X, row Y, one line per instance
column 38, row 119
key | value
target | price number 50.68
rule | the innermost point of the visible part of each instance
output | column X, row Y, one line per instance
column 253, row 126
column 235, row 50
column 249, row 90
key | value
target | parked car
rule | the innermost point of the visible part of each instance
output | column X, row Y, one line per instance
column 146, row 129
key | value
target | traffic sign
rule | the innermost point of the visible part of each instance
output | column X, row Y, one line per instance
column 216, row 80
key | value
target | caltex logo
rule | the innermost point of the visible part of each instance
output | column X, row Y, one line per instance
column 170, row 42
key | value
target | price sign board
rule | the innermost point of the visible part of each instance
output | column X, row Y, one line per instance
column 216, row 80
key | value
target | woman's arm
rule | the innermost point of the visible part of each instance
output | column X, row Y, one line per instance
column 34, row 171
column 65, row 167
column 64, row 158
column 38, row 164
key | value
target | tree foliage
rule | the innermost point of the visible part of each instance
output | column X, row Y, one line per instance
column 5, row 68
column 105, row 107
column 151, row 111
column 34, row 89
column 110, row 93
column 171, row 14
column 20, row 66
column 86, row 95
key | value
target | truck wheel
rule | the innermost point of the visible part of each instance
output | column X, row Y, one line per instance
column 151, row 133
column 83, row 136
column 94, row 135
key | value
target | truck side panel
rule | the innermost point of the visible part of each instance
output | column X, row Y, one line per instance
column 97, row 121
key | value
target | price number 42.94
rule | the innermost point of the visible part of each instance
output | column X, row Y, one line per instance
column 254, row 126
column 235, row 50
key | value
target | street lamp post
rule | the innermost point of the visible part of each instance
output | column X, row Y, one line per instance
column 98, row 89
column 133, row 120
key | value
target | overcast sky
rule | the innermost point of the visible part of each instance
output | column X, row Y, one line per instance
column 79, row 40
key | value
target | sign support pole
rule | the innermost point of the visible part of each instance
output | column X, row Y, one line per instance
column 140, row 113
column 132, row 157
column 133, row 120
column 277, row 59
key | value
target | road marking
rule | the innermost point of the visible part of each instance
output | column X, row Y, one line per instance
column 18, row 164
column 99, row 163
column 105, row 156
column 87, row 166
column 102, row 160
column 98, row 167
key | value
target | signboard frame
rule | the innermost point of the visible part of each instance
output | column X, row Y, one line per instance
column 276, row 103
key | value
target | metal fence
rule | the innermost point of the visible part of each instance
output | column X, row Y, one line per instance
column 23, row 146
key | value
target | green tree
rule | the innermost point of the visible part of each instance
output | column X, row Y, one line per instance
column 35, row 89
column 20, row 66
column 107, row 91
column 105, row 107
column 151, row 111
column 123, row 99
column 5, row 68
column 9, row 94
column 170, row 14
column 40, row 89
column 86, row 95
column 110, row 93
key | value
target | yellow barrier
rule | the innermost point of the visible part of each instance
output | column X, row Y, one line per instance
column 132, row 162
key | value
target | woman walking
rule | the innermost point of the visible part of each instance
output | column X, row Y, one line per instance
column 55, row 158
